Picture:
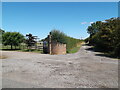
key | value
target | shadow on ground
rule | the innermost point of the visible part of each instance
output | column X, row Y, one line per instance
column 93, row 49
column 10, row 49
column 101, row 52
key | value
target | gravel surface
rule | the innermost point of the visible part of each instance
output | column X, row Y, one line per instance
column 84, row 69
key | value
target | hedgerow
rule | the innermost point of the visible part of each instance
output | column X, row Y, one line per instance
column 61, row 37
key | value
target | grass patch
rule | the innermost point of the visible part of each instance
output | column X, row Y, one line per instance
column 74, row 50
column 24, row 50
column 19, row 48
column 8, row 47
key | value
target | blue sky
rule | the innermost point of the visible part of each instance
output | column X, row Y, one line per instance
column 39, row 18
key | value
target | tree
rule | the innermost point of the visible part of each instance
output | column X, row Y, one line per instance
column 106, row 35
column 117, row 39
column 12, row 38
column 59, row 36
column 94, row 28
column 1, row 33
column 31, row 40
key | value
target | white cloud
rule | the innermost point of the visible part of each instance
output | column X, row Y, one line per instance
column 83, row 22
column 104, row 21
column 91, row 22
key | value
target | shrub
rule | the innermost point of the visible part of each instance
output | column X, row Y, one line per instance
column 106, row 35
column 117, row 50
column 63, row 38
column 59, row 36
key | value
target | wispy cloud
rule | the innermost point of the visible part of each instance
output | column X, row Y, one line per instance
column 91, row 22
column 86, row 23
column 83, row 23
column 104, row 21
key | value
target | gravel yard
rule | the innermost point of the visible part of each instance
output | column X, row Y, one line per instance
column 84, row 69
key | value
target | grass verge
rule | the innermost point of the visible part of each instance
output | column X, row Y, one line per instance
column 75, row 49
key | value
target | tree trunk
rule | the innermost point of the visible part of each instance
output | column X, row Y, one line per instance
column 19, row 46
column 11, row 46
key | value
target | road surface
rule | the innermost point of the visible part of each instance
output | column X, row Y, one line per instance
column 84, row 69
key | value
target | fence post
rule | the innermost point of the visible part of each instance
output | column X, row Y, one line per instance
column 49, row 43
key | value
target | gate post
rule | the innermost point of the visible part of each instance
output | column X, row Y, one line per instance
column 49, row 43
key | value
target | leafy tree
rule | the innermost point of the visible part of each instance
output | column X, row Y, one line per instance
column 31, row 40
column 59, row 36
column 106, row 35
column 94, row 28
column 12, row 38
column 1, row 33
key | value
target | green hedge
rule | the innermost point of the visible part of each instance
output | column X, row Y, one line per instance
column 61, row 37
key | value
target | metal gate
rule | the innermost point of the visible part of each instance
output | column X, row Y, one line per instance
column 45, row 47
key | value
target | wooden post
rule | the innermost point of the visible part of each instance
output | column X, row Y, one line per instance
column 49, row 43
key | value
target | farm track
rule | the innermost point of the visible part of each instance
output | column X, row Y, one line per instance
column 84, row 69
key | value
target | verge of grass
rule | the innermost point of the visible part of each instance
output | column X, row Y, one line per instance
column 8, row 48
column 74, row 50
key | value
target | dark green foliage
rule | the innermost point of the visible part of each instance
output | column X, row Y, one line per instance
column 106, row 35
column 63, row 38
column 12, row 38
column 31, row 40
column 59, row 36
column 117, row 50
column 1, row 33
column 94, row 28
column 86, row 40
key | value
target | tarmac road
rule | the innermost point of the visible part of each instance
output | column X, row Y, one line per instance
column 84, row 69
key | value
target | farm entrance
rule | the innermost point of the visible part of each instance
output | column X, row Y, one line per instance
column 48, row 46
column 53, row 47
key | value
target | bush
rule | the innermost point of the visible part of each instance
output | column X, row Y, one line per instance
column 87, row 40
column 117, row 50
column 59, row 36
column 106, row 35
column 63, row 38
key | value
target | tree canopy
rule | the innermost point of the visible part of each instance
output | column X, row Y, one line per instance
column 59, row 36
column 31, row 40
column 1, row 33
column 106, row 35
column 12, row 38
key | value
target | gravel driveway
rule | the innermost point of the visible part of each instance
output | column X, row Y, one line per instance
column 84, row 69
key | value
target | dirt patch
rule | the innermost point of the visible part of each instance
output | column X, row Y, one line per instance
column 3, row 57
